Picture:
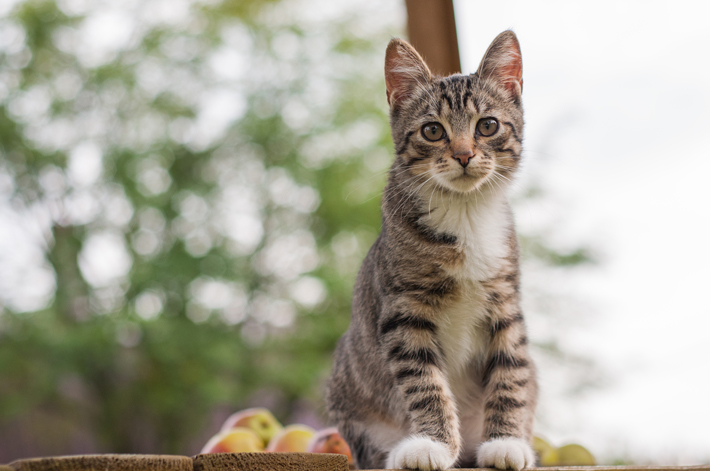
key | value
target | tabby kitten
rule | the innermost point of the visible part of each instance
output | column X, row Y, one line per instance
column 434, row 370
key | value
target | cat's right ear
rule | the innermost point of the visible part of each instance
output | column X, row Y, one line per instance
column 405, row 71
column 503, row 63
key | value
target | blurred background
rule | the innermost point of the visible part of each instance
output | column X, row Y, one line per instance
column 187, row 188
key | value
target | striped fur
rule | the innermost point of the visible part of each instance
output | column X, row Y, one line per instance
column 434, row 370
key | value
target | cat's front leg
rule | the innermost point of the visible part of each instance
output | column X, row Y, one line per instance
column 408, row 343
column 510, row 393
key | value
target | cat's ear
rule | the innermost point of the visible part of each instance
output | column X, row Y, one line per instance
column 503, row 63
column 405, row 71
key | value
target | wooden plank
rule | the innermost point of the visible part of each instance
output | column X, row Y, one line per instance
column 704, row 467
column 105, row 463
column 271, row 462
column 432, row 32
column 251, row 462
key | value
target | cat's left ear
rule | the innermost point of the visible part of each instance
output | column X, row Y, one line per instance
column 503, row 63
column 405, row 71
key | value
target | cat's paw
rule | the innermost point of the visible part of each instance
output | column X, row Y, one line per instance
column 420, row 453
column 506, row 453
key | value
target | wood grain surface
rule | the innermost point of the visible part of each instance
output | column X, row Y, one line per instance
column 704, row 467
column 271, row 462
column 105, row 463
column 250, row 462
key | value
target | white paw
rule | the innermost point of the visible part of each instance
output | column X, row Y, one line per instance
column 506, row 453
column 420, row 453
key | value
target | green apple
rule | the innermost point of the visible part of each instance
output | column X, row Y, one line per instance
column 575, row 455
column 236, row 440
column 293, row 438
column 258, row 419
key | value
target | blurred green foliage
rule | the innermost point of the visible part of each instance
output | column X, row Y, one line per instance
column 201, row 181
column 167, row 183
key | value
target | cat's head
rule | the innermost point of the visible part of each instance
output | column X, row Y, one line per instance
column 461, row 132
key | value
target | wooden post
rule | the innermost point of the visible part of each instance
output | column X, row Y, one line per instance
column 432, row 32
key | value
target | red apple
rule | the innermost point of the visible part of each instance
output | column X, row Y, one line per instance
column 330, row 441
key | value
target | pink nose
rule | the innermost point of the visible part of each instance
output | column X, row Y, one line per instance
column 463, row 157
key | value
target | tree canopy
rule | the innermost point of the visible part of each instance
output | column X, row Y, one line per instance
column 187, row 188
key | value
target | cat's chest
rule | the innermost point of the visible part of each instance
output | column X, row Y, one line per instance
column 482, row 230
column 462, row 331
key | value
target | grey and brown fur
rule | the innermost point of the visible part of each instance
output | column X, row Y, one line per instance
column 434, row 370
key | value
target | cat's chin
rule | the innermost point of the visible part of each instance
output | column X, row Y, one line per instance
column 463, row 183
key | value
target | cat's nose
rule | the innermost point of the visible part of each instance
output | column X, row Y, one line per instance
column 463, row 157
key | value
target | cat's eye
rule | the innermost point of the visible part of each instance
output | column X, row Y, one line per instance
column 487, row 127
column 433, row 131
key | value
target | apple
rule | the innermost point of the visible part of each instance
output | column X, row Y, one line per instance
column 293, row 438
column 575, row 455
column 330, row 441
column 546, row 453
column 240, row 439
column 258, row 419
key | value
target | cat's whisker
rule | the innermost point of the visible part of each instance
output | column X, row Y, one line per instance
column 381, row 192
column 495, row 181
column 379, row 174
column 432, row 196
column 402, row 170
column 499, row 175
column 441, row 195
column 407, row 193
column 417, row 191
column 500, row 179
column 411, row 179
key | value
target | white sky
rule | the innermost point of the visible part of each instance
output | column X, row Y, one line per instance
column 618, row 116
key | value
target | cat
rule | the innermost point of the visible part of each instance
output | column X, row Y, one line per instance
column 434, row 370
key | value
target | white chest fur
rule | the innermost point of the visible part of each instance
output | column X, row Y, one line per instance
column 481, row 224
column 462, row 331
column 482, row 227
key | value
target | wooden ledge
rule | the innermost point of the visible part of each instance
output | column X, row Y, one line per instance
column 250, row 462
column 271, row 462
column 105, row 463
column 703, row 467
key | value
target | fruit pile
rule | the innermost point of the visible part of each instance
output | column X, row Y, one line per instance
column 567, row 455
column 257, row 429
